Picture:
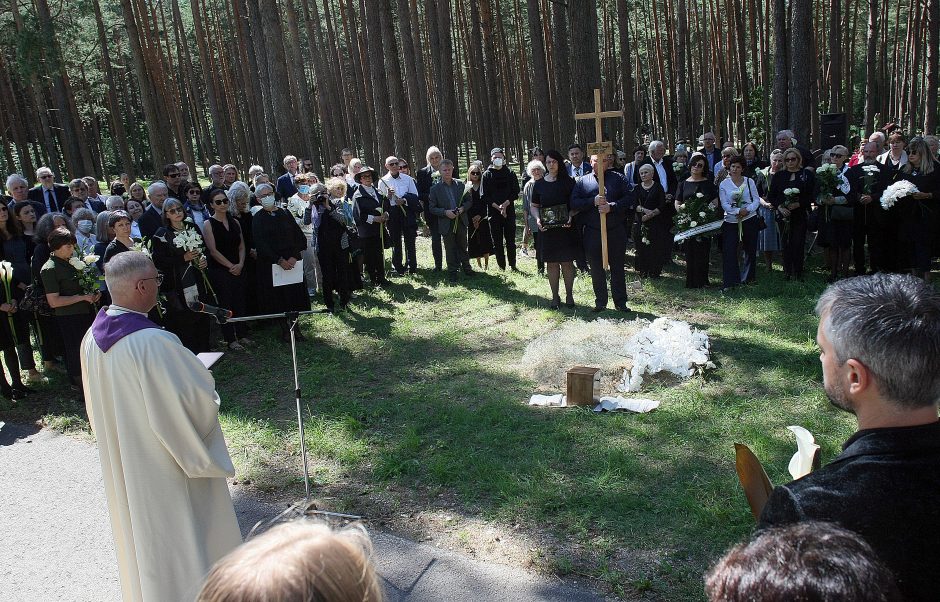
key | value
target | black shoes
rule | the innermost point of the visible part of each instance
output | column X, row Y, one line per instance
column 624, row 308
column 555, row 304
column 598, row 309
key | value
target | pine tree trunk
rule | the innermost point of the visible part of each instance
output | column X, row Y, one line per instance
column 285, row 135
column 835, row 56
column 781, row 66
column 544, row 115
column 401, row 142
column 932, row 67
column 114, row 108
column 563, row 74
column 447, row 74
column 871, row 67
column 585, row 65
column 627, row 87
column 801, row 53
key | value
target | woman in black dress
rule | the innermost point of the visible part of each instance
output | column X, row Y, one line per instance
column 752, row 161
column 916, row 212
column 280, row 242
column 836, row 213
column 551, row 196
column 119, row 222
column 697, row 248
column 651, row 226
column 239, row 198
column 183, row 281
column 371, row 210
column 479, row 239
column 337, row 240
column 226, row 251
column 791, row 210
column 18, row 251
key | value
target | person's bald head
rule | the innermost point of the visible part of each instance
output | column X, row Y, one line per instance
column 132, row 281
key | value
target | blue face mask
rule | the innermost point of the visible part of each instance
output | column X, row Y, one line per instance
column 303, row 189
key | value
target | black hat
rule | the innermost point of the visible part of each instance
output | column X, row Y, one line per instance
column 366, row 169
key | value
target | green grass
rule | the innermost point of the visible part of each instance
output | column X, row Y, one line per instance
column 413, row 402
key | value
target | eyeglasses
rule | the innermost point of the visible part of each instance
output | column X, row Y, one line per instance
column 158, row 279
column 791, row 159
column 174, row 211
column 45, row 177
column 220, row 202
column 836, row 155
column 195, row 191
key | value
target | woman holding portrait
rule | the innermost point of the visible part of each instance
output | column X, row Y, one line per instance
column 551, row 207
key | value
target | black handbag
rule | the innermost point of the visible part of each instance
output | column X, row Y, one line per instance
column 34, row 300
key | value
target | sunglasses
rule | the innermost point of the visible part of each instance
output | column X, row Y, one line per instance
column 174, row 211
column 391, row 164
column 172, row 175
column 474, row 173
column 220, row 201
column 400, row 166
column 45, row 177
column 791, row 159
column 836, row 156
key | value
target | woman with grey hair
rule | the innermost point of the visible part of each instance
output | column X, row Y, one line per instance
column 83, row 225
column 535, row 171
column 768, row 239
column 836, row 214
column 103, row 235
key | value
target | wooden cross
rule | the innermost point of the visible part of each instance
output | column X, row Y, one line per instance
column 601, row 149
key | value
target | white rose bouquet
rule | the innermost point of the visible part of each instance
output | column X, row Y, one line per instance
column 89, row 278
column 190, row 241
column 897, row 191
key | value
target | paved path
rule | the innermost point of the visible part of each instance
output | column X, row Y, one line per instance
column 55, row 538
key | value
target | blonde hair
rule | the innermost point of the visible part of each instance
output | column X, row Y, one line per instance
column 336, row 186
column 793, row 151
column 295, row 562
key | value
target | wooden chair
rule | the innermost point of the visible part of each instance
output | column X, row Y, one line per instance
column 753, row 478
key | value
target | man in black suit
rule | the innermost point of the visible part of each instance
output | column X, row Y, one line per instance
column 712, row 153
column 49, row 193
column 664, row 170
column 787, row 139
column 79, row 189
column 18, row 189
column 152, row 218
column 576, row 164
column 424, row 179
column 879, row 343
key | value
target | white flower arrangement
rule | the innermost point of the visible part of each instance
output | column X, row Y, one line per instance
column 188, row 240
column 898, row 190
column 625, row 350
column 791, row 192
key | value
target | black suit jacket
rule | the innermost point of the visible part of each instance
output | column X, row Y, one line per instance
column 715, row 157
column 96, row 205
column 150, row 222
column 59, row 191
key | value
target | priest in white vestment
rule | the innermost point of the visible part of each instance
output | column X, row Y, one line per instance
column 155, row 413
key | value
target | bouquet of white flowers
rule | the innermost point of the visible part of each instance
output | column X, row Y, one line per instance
column 88, row 276
column 695, row 212
column 869, row 178
column 190, row 241
column 828, row 176
column 791, row 194
column 6, row 276
column 898, row 190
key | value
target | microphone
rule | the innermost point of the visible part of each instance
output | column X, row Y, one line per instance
column 221, row 315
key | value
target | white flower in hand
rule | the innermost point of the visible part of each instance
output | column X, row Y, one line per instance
column 90, row 259
column 77, row 263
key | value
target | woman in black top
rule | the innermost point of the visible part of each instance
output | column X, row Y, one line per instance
column 916, row 213
column 240, row 206
column 552, row 194
column 226, row 250
column 792, row 210
column 479, row 238
column 183, row 281
column 279, row 241
column 17, row 250
column 337, row 242
column 119, row 222
column 651, row 229
column 697, row 248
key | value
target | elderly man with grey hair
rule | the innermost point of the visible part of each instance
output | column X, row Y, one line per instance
column 17, row 188
column 787, row 139
column 662, row 166
column 879, row 346
column 50, row 194
column 152, row 219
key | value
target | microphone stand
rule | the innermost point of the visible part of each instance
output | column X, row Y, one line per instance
column 292, row 318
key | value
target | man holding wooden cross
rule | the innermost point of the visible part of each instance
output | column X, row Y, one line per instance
column 603, row 198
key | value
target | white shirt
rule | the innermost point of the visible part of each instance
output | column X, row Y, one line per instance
column 885, row 158
column 661, row 170
column 403, row 184
column 726, row 191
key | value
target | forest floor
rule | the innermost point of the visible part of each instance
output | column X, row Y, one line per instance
column 416, row 418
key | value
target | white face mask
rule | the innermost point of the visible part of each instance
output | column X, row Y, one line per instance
column 84, row 226
column 498, row 162
column 267, row 201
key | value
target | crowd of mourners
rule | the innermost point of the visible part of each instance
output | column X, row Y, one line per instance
column 224, row 244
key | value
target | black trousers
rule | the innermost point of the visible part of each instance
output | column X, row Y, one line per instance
column 230, row 293
column 50, row 338
column 373, row 260
column 337, row 268
column 402, row 233
column 732, row 273
column 793, row 239
column 437, row 248
column 616, row 254
column 503, row 230
column 537, row 245
column 73, row 329
column 192, row 328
